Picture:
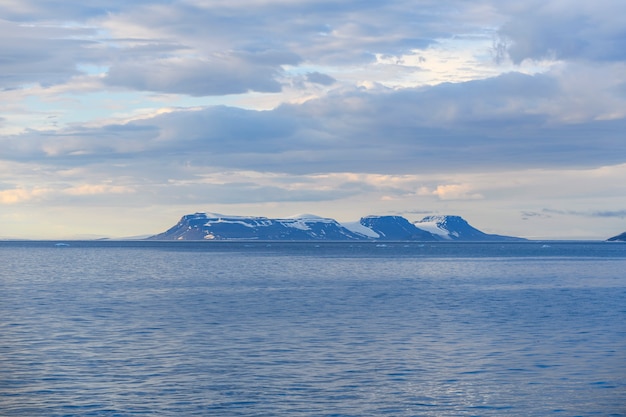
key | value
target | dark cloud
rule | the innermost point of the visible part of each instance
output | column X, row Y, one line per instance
column 592, row 213
column 615, row 213
column 40, row 55
column 319, row 78
column 527, row 215
column 219, row 76
column 564, row 30
column 66, row 10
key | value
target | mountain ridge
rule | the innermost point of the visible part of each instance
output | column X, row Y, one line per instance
column 213, row 226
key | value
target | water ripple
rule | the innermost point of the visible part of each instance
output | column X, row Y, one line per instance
column 109, row 331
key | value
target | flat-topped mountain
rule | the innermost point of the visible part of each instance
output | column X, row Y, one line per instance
column 456, row 228
column 211, row 226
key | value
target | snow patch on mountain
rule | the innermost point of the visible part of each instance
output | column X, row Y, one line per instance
column 244, row 221
column 433, row 227
column 304, row 221
column 357, row 227
column 296, row 223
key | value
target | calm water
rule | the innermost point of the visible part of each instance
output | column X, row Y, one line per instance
column 304, row 329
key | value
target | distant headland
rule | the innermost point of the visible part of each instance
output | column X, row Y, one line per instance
column 212, row 226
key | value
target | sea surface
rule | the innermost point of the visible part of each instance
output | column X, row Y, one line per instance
column 312, row 329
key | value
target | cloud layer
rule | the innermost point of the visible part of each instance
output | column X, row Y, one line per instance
column 267, row 105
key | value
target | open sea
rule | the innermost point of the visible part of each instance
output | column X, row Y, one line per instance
column 105, row 328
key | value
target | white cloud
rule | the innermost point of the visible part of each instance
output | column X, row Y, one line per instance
column 456, row 192
column 564, row 29
column 93, row 189
column 20, row 195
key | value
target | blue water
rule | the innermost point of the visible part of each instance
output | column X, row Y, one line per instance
column 306, row 329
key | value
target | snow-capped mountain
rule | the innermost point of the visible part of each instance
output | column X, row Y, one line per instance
column 618, row 238
column 456, row 228
column 212, row 226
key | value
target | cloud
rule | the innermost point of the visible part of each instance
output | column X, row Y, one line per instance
column 564, row 30
column 617, row 213
column 93, row 189
column 526, row 215
column 319, row 78
column 213, row 48
column 205, row 48
column 511, row 121
column 20, row 195
column 56, row 192
column 28, row 10
column 455, row 192
column 232, row 49
column 590, row 213
column 39, row 54
column 219, row 75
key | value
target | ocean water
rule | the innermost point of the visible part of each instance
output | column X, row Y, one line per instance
column 312, row 329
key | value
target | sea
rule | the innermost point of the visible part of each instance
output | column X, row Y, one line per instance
column 144, row 328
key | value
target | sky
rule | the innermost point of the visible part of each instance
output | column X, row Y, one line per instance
column 119, row 117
